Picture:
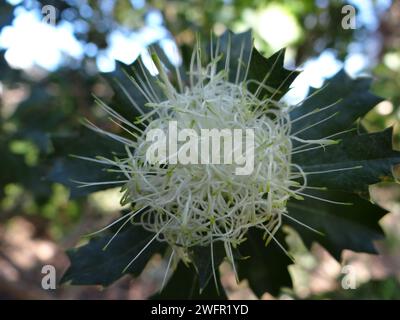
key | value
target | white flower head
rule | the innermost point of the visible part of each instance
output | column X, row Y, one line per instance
column 189, row 205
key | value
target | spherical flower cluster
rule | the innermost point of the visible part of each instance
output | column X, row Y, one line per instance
column 189, row 205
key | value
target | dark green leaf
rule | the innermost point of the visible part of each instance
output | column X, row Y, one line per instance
column 270, row 72
column 92, row 265
column 349, row 99
column 353, row 227
column 373, row 152
column 184, row 284
column 239, row 53
column 67, row 169
column 128, row 99
column 266, row 267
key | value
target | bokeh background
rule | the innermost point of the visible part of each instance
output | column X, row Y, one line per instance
column 49, row 69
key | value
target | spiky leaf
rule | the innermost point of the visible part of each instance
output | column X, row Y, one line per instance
column 93, row 264
column 184, row 284
column 369, row 158
column 354, row 226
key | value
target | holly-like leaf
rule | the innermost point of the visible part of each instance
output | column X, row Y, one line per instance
column 265, row 267
column 238, row 46
column 93, row 264
column 370, row 155
column 369, row 158
column 68, row 170
column 270, row 72
column 340, row 102
column 353, row 227
column 134, row 86
column 184, row 284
